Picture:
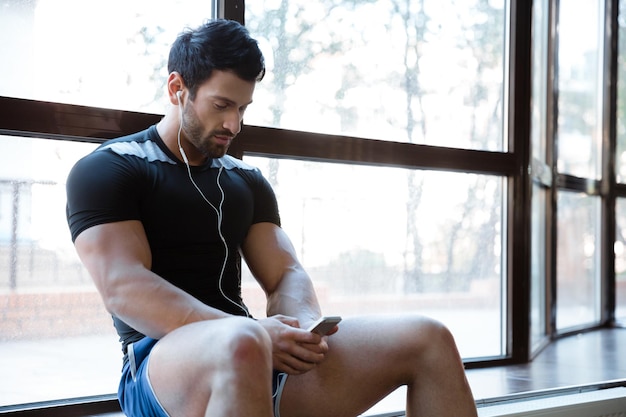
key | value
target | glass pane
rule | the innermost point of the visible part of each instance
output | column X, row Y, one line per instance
column 53, row 321
column 578, row 264
column 108, row 54
column 538, row 325
column 374, row 69
column 539, row 79
column 620, row 259
column 387, row 240
column 580, row 80
column 621, row 95
column 539, row 128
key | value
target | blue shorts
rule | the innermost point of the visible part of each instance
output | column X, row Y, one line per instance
column 135, row 392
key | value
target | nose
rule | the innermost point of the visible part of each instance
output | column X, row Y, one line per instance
column 232, row 121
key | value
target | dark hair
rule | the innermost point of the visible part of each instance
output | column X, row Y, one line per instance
column 216, row 45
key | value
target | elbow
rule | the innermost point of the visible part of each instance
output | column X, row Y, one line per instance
column 115, row 294
column 284, row 281
column 113, row 301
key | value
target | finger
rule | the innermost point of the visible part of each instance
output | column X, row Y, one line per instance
column 333, row 331
column 300, row 355
column 318, row 348
column 292, row 365
column 311, row 342
column 309, row 353
column 305, row 336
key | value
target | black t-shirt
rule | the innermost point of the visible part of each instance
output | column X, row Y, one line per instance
column 137, row 178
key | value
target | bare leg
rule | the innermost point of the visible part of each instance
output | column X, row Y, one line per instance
column 440, row 386
column 371, row 357
column 215, row 368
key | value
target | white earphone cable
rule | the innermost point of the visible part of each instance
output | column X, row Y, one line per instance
column 218, row 212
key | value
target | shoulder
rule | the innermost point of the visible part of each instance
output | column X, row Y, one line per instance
column 265, row 203
column 250, row 174
column 124, row 154
column 144, row 145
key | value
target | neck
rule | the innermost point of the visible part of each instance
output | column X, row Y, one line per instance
column 168, row 129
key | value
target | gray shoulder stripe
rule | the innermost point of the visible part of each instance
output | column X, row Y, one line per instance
column 151, row 151
column 230, row 162
column 145, row 150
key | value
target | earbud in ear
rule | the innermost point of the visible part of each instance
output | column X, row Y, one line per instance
column 178, row 94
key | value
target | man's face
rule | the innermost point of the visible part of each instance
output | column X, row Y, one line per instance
column 213, row 119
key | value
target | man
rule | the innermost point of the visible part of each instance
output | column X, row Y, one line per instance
column 160, row 218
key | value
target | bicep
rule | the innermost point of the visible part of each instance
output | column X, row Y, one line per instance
column 269, row 253
column 108, row 250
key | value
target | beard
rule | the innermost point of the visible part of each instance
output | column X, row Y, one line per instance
column 204, row 143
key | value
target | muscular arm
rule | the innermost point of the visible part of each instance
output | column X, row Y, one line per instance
column 273, row 261
column 118, row 258
column 291, row 301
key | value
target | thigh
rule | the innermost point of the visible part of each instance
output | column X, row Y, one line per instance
column 367, row 360
column 185, row 363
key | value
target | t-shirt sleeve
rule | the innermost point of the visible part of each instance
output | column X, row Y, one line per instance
column 100, row 189
column 265, row 204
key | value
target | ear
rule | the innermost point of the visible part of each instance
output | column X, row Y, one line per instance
column 175, row 84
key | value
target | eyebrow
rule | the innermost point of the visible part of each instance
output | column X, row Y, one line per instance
column 226, row 99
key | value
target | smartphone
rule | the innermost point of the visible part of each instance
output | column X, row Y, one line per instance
column 324, row 325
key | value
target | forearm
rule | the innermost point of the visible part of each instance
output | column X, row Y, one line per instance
column 118, row 258
column 273, row 262
column 294, row 296
column 153, row 306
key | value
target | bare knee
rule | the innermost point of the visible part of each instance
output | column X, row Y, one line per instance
column 239, row 343
column 438, row 332
column 215, row 345
column 248, row 344
column 440, row 355
column 431, row 339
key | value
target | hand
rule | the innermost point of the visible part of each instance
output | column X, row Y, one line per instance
column 294, row 350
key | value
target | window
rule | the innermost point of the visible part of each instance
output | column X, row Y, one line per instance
column 620, row 162
column 110, row 54
column 53, row 321
column 578, row 266
column 620, row 157
column 580, row 81
column 620, row 260
column 373, row 70
column 387, row 240
column 540, row 174
column 56, row 339
column 428, row 72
